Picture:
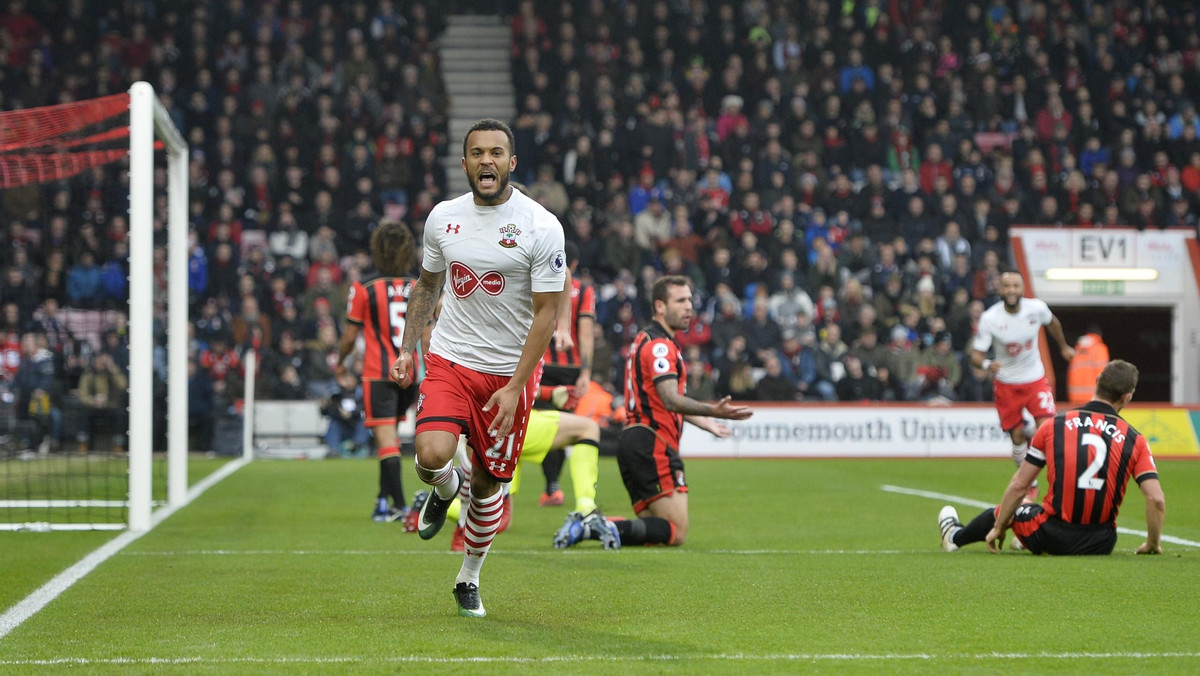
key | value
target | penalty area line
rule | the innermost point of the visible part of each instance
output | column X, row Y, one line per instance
column 583, row 659
column 946, row 497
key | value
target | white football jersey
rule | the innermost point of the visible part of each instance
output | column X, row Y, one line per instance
column 495, row 258
column 1015, row 336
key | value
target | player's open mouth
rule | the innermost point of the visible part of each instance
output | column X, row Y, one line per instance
column 487, row 179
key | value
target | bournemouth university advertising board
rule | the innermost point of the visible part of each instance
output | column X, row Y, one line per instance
column 898, row 431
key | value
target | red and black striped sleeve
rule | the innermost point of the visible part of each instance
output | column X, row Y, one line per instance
column 356, row 304
column 1143, row 461
column 660, row 359
column 1042, row 441
column 587, row 302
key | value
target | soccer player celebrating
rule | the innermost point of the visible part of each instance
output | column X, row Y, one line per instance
column 500, row 256
column 1090, row 454
column 376, row 308
column 648, row 448
column 1011, row 326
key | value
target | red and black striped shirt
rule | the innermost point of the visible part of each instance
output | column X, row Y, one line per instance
column 654, row 356
column 379, row 306
column 1089, row 455
column 583, row 304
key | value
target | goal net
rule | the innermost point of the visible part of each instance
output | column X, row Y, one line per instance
column 84, row 458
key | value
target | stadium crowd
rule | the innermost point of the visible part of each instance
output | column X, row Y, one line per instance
column 837, row 178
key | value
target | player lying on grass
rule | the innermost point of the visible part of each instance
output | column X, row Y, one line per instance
column 648, row 449
column 1089, row 455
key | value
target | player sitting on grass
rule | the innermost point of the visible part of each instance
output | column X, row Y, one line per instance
column 1090, row 454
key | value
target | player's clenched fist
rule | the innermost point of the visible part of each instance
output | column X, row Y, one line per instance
column 402, row 369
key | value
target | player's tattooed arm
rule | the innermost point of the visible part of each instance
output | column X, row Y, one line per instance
column 421, row 303
column 675, row 402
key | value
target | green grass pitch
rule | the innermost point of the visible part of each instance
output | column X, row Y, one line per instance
column 791, row 566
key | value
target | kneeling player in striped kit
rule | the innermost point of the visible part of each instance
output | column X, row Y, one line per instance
column 648, row 449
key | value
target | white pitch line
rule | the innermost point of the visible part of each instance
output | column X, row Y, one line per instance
column 525, row 552
column 40, row 598
column 567, row 659
column 946, row 497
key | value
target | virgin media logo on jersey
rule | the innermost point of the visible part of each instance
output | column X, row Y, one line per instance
column 1014, row 349
column 464, row 281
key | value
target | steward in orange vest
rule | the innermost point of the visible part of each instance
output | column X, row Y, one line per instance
column 1091, row 356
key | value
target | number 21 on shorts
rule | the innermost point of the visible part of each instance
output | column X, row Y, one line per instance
column 500, row 454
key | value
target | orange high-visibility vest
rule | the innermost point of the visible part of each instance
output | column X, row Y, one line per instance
column 1091, row 356
column 596, row 404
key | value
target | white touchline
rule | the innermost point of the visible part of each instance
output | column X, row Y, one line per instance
column 946, row 497
column 550, row 659
column 30, row 605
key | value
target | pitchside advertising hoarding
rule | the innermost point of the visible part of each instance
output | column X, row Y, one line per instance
column 898, row 431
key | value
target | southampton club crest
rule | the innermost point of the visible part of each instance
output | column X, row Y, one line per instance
column 508, row 235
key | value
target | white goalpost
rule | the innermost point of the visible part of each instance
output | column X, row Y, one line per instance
column 148, row 119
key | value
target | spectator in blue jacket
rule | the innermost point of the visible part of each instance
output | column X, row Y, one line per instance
column 83, row 282
column 114, row 277
column 856, row 69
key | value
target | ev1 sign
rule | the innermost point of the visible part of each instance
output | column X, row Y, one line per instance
column 1100, row 249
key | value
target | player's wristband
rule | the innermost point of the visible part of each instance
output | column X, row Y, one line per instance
column 985, row 364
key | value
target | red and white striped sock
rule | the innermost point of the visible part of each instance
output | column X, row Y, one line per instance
column 464, row 492
column 442, row 480
column 483, row 518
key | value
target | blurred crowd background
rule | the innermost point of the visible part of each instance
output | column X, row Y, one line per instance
column 837, row 178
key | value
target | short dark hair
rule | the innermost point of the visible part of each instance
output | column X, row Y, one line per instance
column 491, row 124
column 1118, row 379
column 572, row 250
column 392, row 249
column 659, row 291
